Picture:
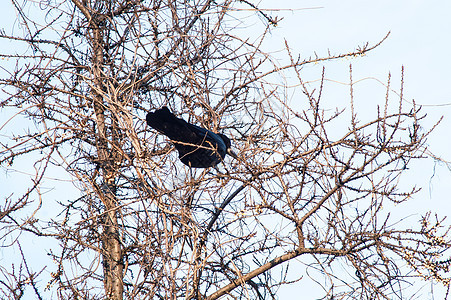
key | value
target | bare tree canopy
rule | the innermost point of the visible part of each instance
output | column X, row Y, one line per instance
column 309, row 189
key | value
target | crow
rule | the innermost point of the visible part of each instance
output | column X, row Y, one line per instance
column 197, row 146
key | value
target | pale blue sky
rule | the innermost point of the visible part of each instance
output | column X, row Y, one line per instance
column 420, row 41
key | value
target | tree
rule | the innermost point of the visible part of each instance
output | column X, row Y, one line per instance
column 148, row 227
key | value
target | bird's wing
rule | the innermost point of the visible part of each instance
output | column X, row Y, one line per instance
column 209, row 136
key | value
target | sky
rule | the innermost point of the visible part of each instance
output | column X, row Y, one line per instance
column 419, row 41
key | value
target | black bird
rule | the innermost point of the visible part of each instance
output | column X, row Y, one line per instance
column 197, row 146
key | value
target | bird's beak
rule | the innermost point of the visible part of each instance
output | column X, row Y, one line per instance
column 232, row 154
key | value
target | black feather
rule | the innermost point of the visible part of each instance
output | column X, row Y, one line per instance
column 197, row 146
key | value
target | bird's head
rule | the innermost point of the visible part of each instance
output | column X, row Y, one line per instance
column 228, row 144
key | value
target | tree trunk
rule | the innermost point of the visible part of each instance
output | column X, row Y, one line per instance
column 112, row 256
column 112, row 249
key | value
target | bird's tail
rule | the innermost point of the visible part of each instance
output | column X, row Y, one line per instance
column 168, row 124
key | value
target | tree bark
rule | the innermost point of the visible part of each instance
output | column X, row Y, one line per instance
column 112, row 249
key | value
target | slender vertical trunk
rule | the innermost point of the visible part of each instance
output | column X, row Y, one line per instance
column 111, row 245
column 112, row 251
